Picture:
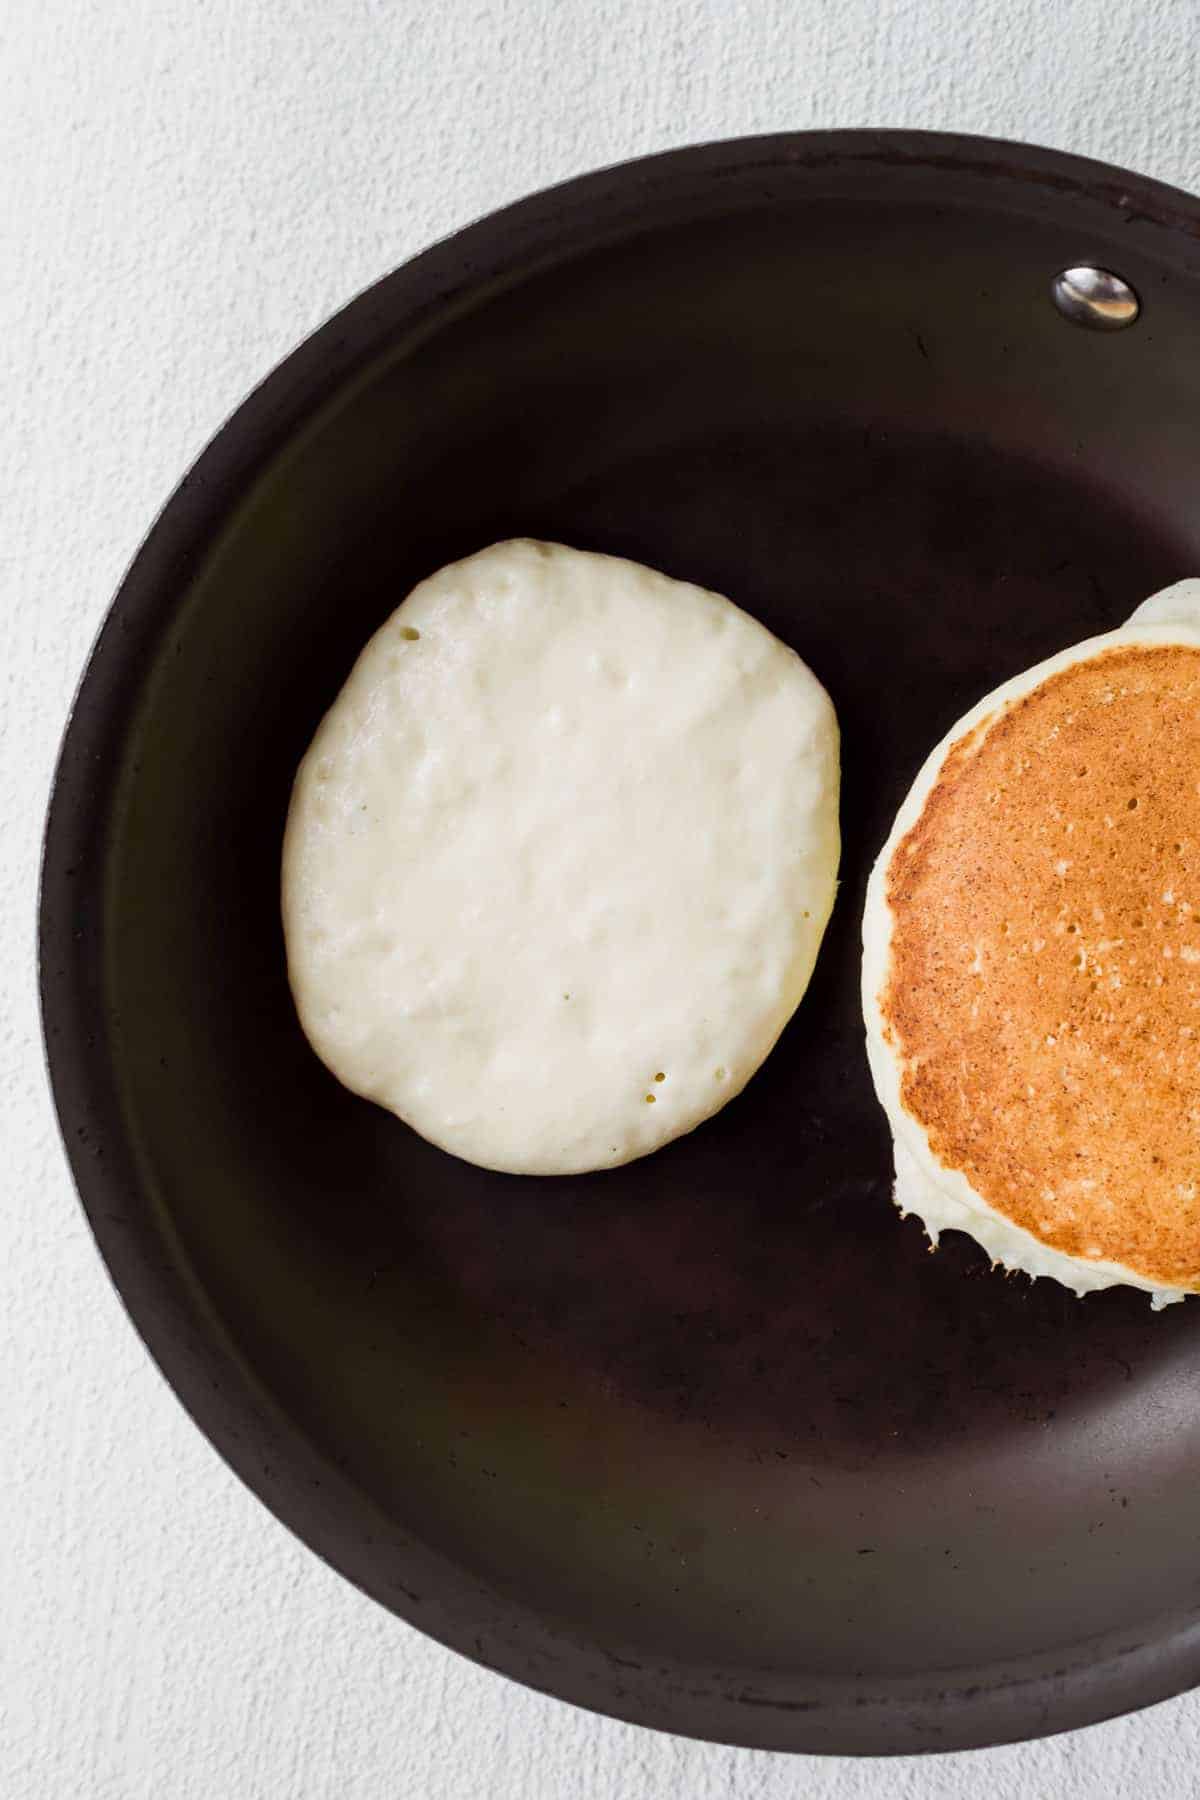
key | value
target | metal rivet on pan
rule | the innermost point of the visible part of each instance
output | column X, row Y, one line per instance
column 1095, row 297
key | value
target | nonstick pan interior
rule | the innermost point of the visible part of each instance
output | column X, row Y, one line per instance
column 711, row 1442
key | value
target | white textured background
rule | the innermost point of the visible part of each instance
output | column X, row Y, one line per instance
column 186, row 188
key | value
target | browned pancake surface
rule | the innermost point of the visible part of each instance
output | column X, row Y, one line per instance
column 1044, row 992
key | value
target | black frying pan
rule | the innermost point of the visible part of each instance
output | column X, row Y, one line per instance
column 712, row 1442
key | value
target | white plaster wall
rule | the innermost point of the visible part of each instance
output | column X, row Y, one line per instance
column 186, row 188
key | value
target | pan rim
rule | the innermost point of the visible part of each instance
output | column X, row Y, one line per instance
column 936, row 1711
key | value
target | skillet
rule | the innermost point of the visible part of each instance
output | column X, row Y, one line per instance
column 711, row 1443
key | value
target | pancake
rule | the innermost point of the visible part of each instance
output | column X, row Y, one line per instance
column 559, row 859
column 1031, row 966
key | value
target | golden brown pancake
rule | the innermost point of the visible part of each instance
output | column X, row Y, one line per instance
column 1043, row 991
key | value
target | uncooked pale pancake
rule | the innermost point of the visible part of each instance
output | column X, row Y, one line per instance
column 1031, row 975
column 559, row 858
